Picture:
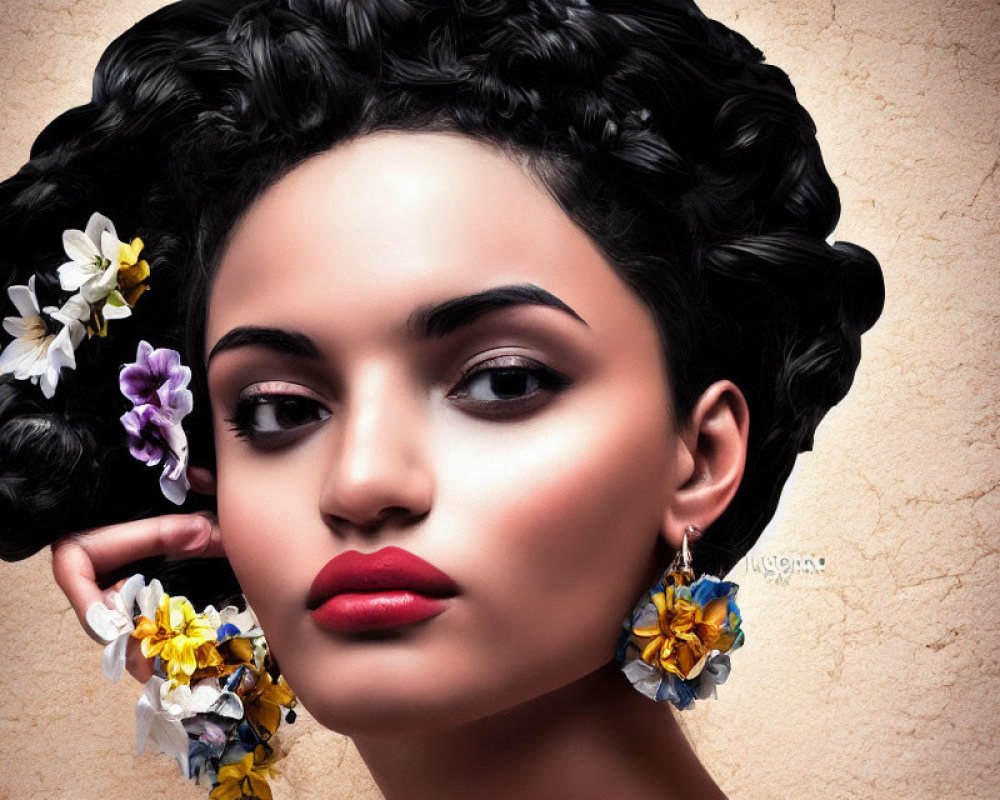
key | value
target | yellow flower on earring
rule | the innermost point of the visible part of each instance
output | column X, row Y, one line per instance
column 677, row 641
column 685, row 633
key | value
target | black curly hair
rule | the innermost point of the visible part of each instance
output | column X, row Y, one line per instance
column 660, row 132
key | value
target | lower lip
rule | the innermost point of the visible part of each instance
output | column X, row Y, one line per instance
column 376, row 611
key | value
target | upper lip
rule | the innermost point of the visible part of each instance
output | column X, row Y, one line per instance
column 384, row 570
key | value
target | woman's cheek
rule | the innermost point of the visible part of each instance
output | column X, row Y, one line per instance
column 564, row 522
column 261, row 504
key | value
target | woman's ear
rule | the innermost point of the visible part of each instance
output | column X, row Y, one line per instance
column 202, row 480
column 711, row 454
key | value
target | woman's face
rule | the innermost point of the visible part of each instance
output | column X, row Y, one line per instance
column 416, row 349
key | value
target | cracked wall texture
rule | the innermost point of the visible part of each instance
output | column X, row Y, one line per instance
column 871, row 678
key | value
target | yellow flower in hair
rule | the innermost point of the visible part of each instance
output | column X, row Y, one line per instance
column 132, row 272
column 245, row 780
column 184, row 640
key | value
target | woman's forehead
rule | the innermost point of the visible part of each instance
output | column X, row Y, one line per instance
column 393, row 221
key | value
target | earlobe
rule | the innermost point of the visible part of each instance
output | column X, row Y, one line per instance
column 712, row 451
column 202, row 480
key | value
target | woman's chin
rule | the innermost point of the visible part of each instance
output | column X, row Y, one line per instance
column 378, row 716
column 424, row 702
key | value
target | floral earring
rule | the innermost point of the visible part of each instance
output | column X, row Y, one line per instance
column 677, row 640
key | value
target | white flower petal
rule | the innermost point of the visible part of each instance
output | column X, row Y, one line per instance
column 24, row 327
column 80, row 248
column 107, row 623
column 175, row 699
column 157, row 730
column 114, row 657
column 144, row 716
column 183, row 702
column 204, row 696
column 76, row 334
column 116, row 307
column 148, row 599
column 48, row 382
column 111, row 248
column 101, row 285
column 72, row 275
column 182, row 403
column 97, row 224
column 213, row 617
column 130, row 593
column 228, row 704
column 246, row 621
column 20, row 358
column 174, row 482
column 61, row 352
column 23, row 298
column 41, row 365
column 643, row 677
column 76, row 308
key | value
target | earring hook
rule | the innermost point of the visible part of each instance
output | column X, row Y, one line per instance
column 682, row 560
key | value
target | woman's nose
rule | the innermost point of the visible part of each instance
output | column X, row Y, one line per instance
column 381, row 475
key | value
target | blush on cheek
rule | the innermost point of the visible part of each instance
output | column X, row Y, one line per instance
column 259, row 528
column 576, row 532
column 591, row 503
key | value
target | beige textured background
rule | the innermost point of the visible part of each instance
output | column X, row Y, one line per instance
column 876, row 677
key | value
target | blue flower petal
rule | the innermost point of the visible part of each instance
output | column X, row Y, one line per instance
column 707, row 588
column 248, row 736
column 685, row 693
column 234, row 680
column 622, row 645
column 667, row 690
column 226, row 630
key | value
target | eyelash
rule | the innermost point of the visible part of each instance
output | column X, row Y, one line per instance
column 547, row 380
column 244, row 424
column 525, row 371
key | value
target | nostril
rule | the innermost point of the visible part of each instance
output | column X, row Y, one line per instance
column 389, row 517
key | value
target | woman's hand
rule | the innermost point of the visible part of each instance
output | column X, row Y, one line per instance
column 79, row 561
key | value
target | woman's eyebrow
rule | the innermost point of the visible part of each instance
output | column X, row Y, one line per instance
column 441, row 319
column 279, row 339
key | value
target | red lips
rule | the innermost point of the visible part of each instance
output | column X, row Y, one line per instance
column 359, row 592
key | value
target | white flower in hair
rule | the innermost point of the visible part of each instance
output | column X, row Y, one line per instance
column 38, row 353
column 93, row 268
column 107, row 271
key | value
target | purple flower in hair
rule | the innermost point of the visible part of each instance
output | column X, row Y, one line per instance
column 157, row 378
column 145, row 425
column 157, row 384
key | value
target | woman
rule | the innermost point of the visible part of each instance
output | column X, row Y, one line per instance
column 502, row 301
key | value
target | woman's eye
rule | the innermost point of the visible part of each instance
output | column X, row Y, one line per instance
column 506, row 385
column 272, row 415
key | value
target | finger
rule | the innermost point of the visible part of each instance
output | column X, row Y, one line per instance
column 80, row 560
column 138, row 666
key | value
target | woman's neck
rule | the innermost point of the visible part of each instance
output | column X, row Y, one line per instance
column 595, row 739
